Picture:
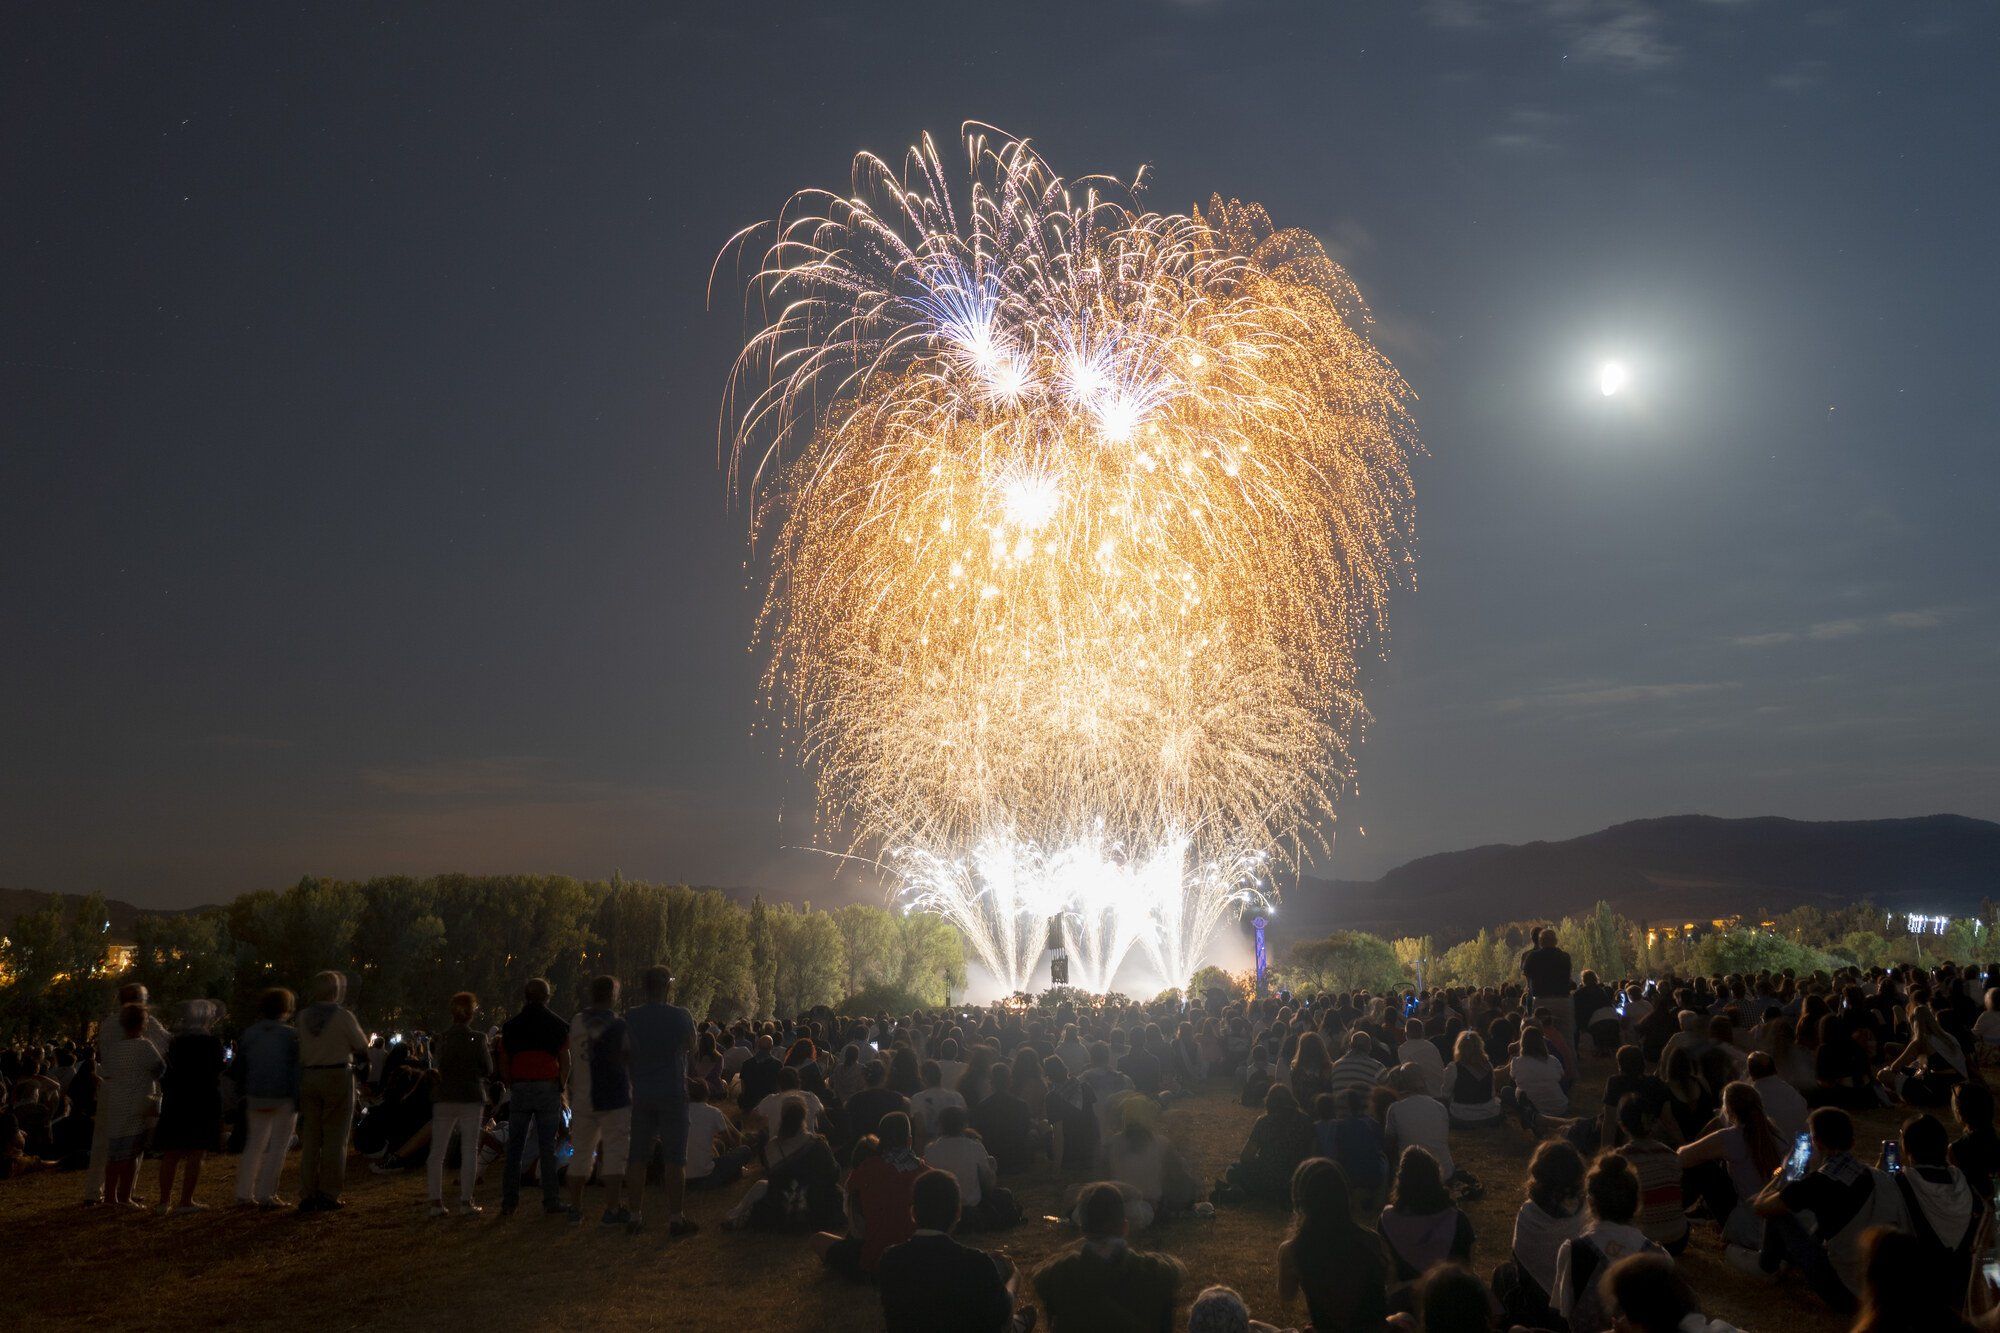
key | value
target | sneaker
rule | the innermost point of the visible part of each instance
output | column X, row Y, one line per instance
column 163, row 1209
column 682, row 1226
column 560, row 1210
column 189, row 1209
column 274, row 1202
column 618, row 1218
column 469, row 1209
column 438, row 1209
column 1746, row 1260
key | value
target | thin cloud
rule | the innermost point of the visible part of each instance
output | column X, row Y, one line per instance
column 1620, row 34
column 1847, row 627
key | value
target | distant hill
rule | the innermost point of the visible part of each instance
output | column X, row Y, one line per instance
column 1684, row 866
column 13, row 902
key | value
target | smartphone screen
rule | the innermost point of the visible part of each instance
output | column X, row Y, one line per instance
column 1892, row 1155
column 1795, row 1165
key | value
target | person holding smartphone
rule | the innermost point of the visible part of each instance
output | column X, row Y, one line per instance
column 1845, row 1198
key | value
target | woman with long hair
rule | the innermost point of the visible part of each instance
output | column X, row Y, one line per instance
column 1421, row 1227
column 1729, row 1167
column 1311, row 1072
column 1690, row 1100
column 1550, row 1216
column 1930, row 1064
column 800, row 1190
column 848, row 1077
column 706, row 1065
column 1280, row 1139
column 1330, row 1257
column 1468, row 1084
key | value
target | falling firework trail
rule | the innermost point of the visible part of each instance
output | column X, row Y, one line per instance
column 1077, row 518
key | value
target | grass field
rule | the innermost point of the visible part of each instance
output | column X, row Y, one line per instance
column 383, row 1263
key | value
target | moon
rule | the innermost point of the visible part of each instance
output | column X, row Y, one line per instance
column 1612, row 376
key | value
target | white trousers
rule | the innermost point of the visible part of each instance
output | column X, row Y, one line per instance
column 468, row 1118
column 267, row 1136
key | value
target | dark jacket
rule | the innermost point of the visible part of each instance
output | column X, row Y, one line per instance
column 932, row 1284
column 464, row 1063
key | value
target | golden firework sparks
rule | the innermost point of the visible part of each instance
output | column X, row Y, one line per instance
column 1077, row 519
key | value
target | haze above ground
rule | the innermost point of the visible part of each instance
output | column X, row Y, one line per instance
column 359, row 500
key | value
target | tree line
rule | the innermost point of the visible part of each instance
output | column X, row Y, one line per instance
column 408, row 944
column 1805, row 939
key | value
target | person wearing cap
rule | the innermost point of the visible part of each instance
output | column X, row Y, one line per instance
column 190, row 1105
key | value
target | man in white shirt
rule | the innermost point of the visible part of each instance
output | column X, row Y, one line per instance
column 928, row 1104
column 766, row 1113
column 706, row 1168
column 1420, row 1051
column 1419, row 1120
column 1782, row 1102
column 986, row 1204
column 734, row 1057
column 950, row 1067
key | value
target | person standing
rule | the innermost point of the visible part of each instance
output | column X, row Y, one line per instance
column 532, row 1046
column 601, row 1099
column 266, row 1068
column 131, row 1070
column 329, row 1041
column 1551, row 983
column 657, row 1038
column 464, row 1063
column 190, row 1106
column 109, row 1031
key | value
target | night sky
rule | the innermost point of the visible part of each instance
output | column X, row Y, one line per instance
column 360, row 508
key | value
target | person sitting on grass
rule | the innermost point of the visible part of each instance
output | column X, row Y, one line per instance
column 1551, row 1216
column 1468, row 1084
column 1449, row 1299
column 1900, row 1292
column 983, row 1204
column 932, row 1284
column 1223, row 1310
column 927, row 1104
column 1691, row 1101
column 1785, row 1104
column 1421, row 1226
column 1330, row 1258
column 1257, row 1076
column 1631, row 1080
column 1726, row 1168
column 1280, row 1139
column 1611, row 1195
column 716, row 1153
column 1942, row 1210
column 1843, row 1196
column 1649, row 1295
column 1344, row 1131
column 800, row 1190
column 1102, row 1285
column 1976, row 1151
column 1534, row 1080
column 1003, row 1122
column 878, row 1202
column 1662, row 1214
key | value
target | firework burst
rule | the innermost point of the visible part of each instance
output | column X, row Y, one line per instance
column 1078, row 517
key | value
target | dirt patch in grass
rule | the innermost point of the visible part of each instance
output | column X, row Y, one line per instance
column 383, row 1263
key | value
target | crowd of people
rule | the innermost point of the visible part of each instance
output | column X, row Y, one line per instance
column 884, row 1141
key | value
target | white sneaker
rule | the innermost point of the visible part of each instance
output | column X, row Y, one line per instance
column 438, row 1209
column 1745, row 1260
